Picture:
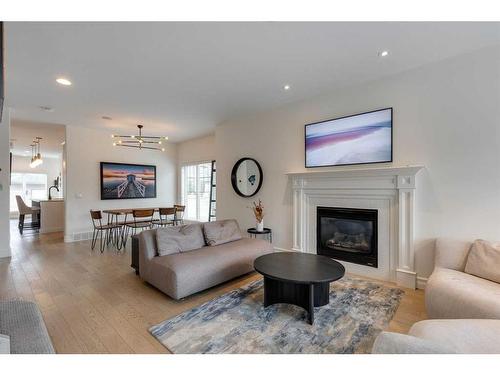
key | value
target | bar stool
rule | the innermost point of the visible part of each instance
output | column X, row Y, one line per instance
column 27, row 210
column 164, row 213
column 99, row 228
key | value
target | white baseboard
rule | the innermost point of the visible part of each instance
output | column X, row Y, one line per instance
column 281, row 249
column 421, row 282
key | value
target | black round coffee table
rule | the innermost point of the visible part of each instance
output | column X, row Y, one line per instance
column 298, row 278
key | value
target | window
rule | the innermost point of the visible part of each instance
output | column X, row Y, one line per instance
column 29, row 186
column 196, row 190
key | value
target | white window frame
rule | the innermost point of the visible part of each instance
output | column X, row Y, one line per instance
column 197, row 184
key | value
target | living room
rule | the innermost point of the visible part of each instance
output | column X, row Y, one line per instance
column 250, row 188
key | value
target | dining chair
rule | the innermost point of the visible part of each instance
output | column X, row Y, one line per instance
column 164, row 214
column 27, row 210
column 108, row 229
column 142, row 219
column 179, row 214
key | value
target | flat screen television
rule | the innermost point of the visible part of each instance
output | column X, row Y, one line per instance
column 363, row 138
column 127, row 181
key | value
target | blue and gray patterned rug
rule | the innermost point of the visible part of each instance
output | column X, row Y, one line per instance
column 237, row 322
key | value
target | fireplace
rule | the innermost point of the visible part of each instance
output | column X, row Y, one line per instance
column 348, row 234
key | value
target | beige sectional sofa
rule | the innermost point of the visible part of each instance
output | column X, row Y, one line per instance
column 462, row 299
column 182, row 271
column 451, row 293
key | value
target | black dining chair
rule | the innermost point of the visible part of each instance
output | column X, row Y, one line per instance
column 142, row 219
column 179, row 214
column 109, row 230
column 166, row 217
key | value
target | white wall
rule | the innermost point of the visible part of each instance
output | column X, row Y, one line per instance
column 192, row 151
column 85, row 149
column 4, row 184
column 446, row 116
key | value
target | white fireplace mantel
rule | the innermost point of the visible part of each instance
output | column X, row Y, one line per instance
column 390, row 190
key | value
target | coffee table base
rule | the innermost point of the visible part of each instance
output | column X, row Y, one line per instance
column 306, row 296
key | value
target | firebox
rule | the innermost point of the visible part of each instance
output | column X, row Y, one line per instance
column 348, row 234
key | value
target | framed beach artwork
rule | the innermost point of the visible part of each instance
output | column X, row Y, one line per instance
column 358, row 139
column 127, row 181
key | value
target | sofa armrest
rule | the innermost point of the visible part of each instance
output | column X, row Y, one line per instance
column 147, row 249
column 4, row 344
column 451, row 253
column 396, row 343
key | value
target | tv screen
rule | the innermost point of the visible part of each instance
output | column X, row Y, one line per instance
column 127, row 181
column 358, row 139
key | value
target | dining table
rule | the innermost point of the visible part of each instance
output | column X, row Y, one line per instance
column 120, row 239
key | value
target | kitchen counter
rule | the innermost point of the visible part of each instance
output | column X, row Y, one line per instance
column 51, row 214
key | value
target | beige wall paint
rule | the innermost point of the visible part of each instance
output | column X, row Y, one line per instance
column 85, row 149
column 446, row 117
column 4, row 183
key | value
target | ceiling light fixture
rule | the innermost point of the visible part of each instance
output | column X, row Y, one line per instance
column 63, row 81
column 286, row 87
column 383, row 53
column 46, row 108
column 106, row 118
column 36, row 157
column 140, row 141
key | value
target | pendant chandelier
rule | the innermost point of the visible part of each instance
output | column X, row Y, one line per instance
column 36, row 156
column 139, row 141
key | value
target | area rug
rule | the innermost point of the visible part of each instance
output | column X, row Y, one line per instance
column 237, row 322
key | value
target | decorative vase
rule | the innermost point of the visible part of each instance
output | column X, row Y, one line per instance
column 259, row 226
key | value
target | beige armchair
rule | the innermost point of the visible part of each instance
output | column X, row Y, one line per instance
column 453, row 294
column 27, row 210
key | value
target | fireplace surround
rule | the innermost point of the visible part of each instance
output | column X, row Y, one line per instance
column 389, row 190
column 349, row 234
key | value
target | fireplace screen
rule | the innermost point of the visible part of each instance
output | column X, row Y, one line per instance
column 348, row 234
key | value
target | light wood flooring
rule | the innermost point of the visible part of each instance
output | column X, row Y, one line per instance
column 94, row 303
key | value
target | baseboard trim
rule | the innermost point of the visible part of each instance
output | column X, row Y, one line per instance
column 421, row 282
column 282, row 249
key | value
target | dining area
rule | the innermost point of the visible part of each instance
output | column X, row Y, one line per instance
column 112, row 228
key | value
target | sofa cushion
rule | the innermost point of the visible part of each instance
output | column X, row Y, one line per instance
column 178, row 239
column 222, row 231
column 397, row 343
column 484, row 260
column 451, row 294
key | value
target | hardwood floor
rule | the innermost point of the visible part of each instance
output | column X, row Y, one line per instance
column 94, row 303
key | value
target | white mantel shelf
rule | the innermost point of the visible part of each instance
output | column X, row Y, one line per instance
column 410, row 170
column 390, row 190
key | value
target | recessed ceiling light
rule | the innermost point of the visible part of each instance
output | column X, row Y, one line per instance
column 106, row 118
column 286, row 87
column 63, row 81
column 46, row 108
column 383, row 53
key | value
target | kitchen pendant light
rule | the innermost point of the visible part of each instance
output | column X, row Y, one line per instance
column 36, row 156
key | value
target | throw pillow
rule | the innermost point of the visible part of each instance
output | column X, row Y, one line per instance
column 484, row 260
column 179, row 239
column 222, row 231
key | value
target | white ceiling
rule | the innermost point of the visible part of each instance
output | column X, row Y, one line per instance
column 22, row 134
column 181, row 79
